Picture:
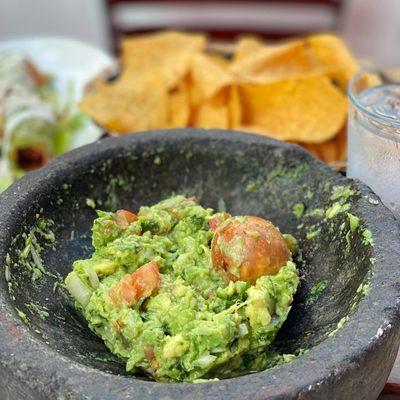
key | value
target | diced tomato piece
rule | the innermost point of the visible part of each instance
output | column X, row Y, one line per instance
column 124, row 218
column 132, row 287
column 214, row 224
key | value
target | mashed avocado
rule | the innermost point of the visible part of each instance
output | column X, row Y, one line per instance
column 182, row 319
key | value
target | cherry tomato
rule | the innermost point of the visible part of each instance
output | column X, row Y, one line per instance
column 132, row 287
column 217, row 220
column 124, row 218
column 248, row 247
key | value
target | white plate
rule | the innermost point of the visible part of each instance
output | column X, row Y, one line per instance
column 71, row 63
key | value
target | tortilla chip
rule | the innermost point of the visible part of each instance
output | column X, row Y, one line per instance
column 179, row 106
column 208, row 76
column 246, row 48
column 128, row 109
column 166, row 53
column 213, row 113
column 195, row 94
column 366, row 80
column 312, row 148
column 234, row 107
column 223, row 62
column 332, row 53
column 285, row 90
column 310, row 110
column 259, row 130
column 274, row 63
column 328, row 151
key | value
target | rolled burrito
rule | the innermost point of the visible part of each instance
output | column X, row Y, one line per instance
column 29, row 123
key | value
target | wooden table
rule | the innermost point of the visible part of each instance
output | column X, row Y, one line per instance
column 391, row 390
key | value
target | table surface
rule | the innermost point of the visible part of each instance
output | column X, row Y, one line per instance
column 391, row 390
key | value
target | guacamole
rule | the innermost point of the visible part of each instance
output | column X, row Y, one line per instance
column 151, row 292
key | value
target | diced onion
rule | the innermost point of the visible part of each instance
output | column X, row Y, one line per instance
column 79, row 291
column 206, row 360
column 93, row 278
column 243, row 330
column 217, row 350
column 36, row 259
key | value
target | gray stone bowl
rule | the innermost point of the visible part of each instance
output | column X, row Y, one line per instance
column 346, row 311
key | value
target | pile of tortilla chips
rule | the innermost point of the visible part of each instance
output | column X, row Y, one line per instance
column 294, row 91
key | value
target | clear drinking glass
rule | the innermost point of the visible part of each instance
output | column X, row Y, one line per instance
column 374, row 132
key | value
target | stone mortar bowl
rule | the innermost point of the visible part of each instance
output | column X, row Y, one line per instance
column 51, row 354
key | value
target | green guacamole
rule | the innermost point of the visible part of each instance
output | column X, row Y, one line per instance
column 197, row 323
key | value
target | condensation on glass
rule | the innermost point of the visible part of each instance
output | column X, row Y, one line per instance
column 374, row 132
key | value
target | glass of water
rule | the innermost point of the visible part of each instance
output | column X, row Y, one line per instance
column 374, row 133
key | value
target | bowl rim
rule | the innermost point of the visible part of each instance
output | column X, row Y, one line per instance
column 375, row 319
